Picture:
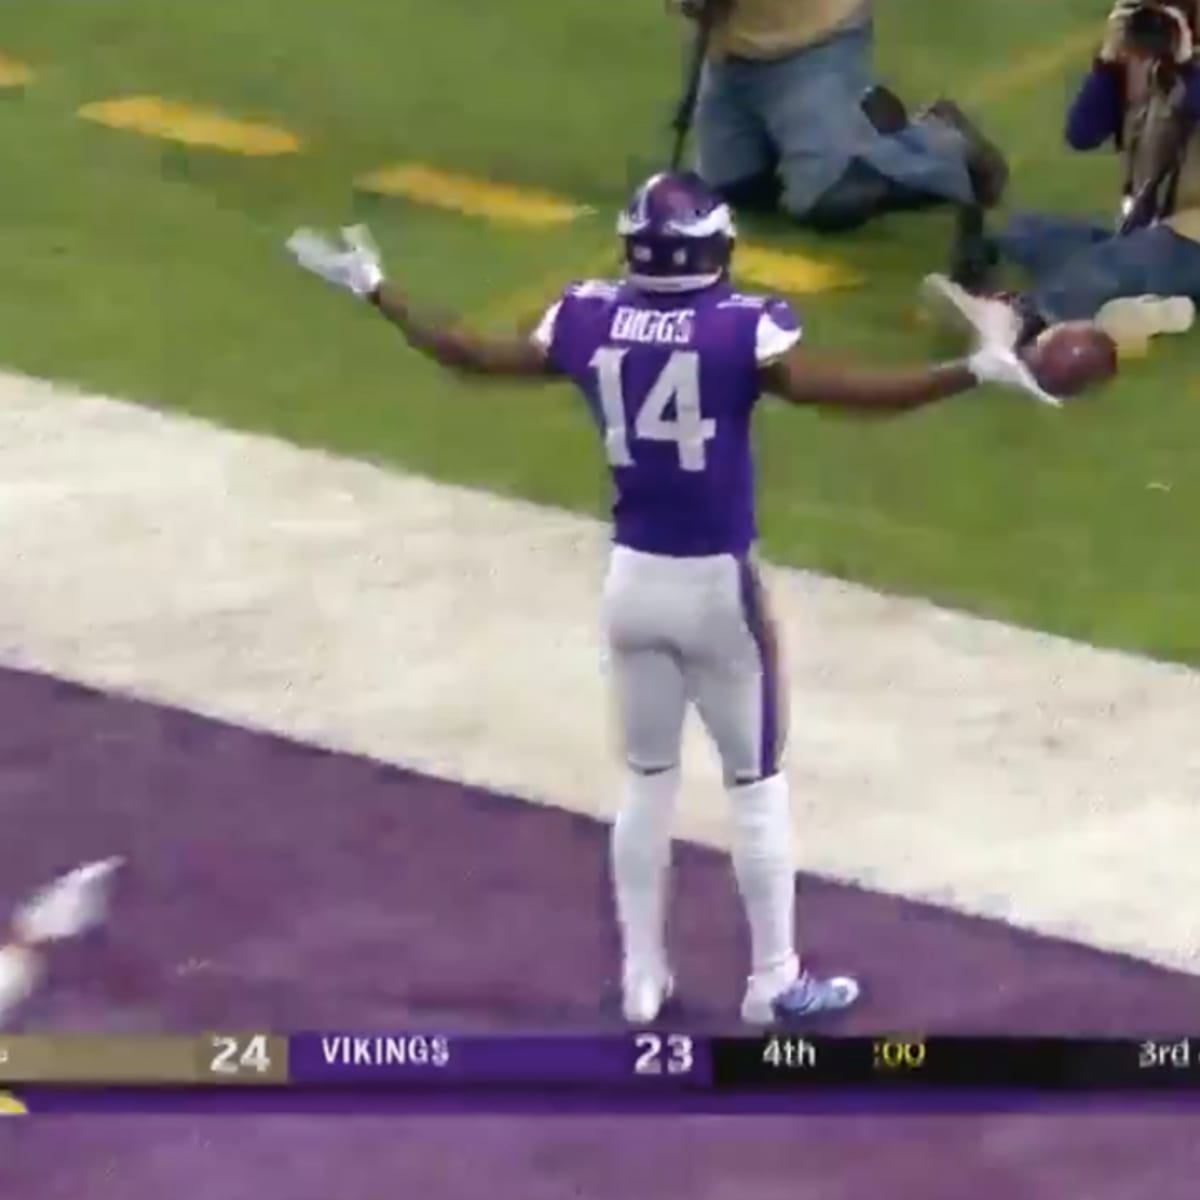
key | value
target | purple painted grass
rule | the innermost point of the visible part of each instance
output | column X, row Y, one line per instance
column 273, row 886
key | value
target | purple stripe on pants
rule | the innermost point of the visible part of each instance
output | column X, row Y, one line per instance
column 759, row 624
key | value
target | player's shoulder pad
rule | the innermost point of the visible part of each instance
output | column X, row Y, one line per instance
column 776, row 307
column 751, row 300
column 778, row 330
column 781, row 313
column 592, row 289
column 578, row 292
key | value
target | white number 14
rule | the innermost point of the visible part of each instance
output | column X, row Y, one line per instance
column 679, row 381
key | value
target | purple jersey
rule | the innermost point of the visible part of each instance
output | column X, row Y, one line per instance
column 672, row 381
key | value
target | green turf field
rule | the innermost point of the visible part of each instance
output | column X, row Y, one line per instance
column 158, row 273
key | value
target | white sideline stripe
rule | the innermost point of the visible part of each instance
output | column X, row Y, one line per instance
column 934, row 755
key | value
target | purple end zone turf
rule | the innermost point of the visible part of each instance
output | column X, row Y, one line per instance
column 271, row 885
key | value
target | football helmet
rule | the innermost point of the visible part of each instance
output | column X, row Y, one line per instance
column 678, row 234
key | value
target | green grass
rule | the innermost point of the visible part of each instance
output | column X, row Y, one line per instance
column 158, row 274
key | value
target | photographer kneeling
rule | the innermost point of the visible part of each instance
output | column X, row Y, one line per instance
column 791, row 118
column 1142, row 94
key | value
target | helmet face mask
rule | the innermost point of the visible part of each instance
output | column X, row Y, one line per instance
column 678, row 234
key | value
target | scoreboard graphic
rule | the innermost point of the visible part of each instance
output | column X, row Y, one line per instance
column 327, row 1071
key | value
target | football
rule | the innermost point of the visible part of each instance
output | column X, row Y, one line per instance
column 1069, row 358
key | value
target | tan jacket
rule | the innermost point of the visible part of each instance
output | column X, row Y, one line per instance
column 767, row 29
column 1147, row 131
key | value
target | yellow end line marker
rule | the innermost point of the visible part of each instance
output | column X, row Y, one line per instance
column 10, row 1106
column 772, row 269
column 474, row 197
column 153, row 116
column 14, row 74
column 785, row 271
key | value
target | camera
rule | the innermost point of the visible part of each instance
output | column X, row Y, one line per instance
column 1152, row 29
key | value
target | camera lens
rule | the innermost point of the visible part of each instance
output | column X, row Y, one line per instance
column 1151, row 31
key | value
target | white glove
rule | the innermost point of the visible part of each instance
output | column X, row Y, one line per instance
column 998, row 362
column 1113, row 45
column 355, row 264
column 71, row 905
column 996, row 327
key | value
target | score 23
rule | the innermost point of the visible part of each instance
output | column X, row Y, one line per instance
column 663, row 1054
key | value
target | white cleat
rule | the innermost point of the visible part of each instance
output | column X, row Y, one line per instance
column 767, row 1003
column 21, row 970
column 643, row 997
column 68, row 907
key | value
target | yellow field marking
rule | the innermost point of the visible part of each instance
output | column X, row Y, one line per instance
column 10, row 1106
column 153, row 116
column 1033, row 68
column 785, row 271
column 14, row 74
column 474, row 197
column 767, row 268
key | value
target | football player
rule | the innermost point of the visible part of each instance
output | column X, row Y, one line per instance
column 671, row 360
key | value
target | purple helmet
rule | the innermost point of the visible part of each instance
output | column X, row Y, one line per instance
column 678, row 234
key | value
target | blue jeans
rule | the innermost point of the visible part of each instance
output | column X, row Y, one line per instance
column 1076, row 267
column 801, row 116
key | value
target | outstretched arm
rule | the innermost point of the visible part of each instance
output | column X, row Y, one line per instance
column 801, row 378
column 355, row 265
column 796, row 375
column 452, row 345
column 789, row 370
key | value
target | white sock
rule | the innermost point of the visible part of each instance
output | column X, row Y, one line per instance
column 641, row 856
column 764, row 864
